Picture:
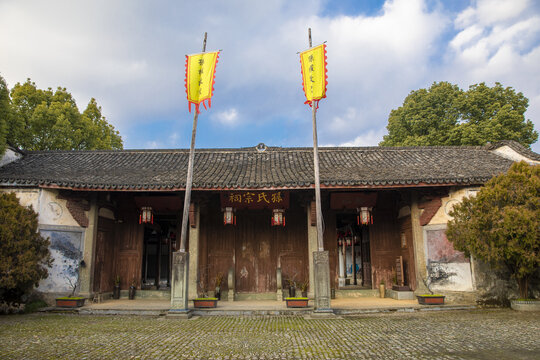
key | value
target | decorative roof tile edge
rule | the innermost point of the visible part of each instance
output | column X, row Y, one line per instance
column 517, row 147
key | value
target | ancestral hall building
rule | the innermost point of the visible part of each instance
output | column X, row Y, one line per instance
column 117, row 214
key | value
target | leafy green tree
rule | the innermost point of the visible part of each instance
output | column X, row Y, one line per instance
column 47, row 120
column 5, row 111
column 24, row 253
column 446, row 115
column 501, row 224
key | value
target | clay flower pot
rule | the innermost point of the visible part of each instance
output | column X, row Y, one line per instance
column 205, row 302
column 70, row 302
column 293, row 302
column 430, row 299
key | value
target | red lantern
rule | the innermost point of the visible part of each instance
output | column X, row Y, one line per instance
column 146, row 215
column 278, row 217
column 228, row 216
column 365, row 216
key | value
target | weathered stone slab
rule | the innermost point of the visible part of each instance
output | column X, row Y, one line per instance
column 321, row 266
column 179, row 284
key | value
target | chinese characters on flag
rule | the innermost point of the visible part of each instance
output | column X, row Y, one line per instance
column 314, row 78
column 200, row 74
column 255, row 199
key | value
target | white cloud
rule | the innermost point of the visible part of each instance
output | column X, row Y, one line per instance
column 369, row 138
column 130, row 57
column 153, row 144
column 498, row 41
column 173, row 139
column 489, row 12
column 227, row 117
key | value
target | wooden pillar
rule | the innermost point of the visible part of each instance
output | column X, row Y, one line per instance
column 86, row 273
column 418, row 245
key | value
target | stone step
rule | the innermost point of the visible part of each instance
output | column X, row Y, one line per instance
column 340, row 293
column 254, row 296
column 148, row 294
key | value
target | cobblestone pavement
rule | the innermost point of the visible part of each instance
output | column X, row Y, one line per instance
column 477, row 334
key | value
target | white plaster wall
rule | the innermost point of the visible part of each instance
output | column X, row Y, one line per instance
column 450, row 274
column 57, row 223
column 53, row 211
column 27, row 197
column 460, row 280
column 66, row 250
column 454, row 197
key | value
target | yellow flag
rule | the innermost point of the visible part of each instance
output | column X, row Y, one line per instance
column 200, row 74
column 314, row 79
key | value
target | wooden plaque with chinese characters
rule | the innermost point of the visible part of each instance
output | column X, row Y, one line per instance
column 255, row 199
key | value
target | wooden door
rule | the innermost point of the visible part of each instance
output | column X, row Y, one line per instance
column 129, row 248
column 103, row 276
column 254, row 253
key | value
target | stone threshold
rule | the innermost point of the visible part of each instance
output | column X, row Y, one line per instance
column 259, row 312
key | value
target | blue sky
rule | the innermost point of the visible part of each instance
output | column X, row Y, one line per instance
column 129, row 55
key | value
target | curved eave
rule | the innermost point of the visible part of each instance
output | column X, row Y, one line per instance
column 381, row 185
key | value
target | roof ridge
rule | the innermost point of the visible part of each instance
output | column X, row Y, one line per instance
column 279, row 148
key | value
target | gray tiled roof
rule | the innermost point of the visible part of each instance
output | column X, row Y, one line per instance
column 247, row 168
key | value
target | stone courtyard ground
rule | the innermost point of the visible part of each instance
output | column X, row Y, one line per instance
column 466, row 334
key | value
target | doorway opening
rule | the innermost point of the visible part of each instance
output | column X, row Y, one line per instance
column 354, row 256
column 159, row 244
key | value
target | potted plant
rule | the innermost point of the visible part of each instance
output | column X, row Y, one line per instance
column 382, row 289
column 291, row 282
column 204, row 301
column 297, row 302
column 116, row 288
column 217, row 282
column 431, row 298
column 71, row 301
column 132, row 289
column 304, row 288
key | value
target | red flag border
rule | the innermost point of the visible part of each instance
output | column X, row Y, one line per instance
column 316, row 101
column 208, row 99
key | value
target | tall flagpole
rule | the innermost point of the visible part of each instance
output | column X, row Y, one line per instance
column 318, row 209
column 189, row 180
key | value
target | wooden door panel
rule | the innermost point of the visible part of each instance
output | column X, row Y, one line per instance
column 245, row 253
column 293, row 268
column 104, row 260
column 219, row 263
column 128, row 267
column 129, row 247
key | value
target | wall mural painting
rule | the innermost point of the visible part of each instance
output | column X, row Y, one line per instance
column 66, row 250
column 448, row 269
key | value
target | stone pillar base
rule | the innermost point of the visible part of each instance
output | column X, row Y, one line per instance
column 179, row 314
column 230, row 279
column 179, row 283
column 321, row 266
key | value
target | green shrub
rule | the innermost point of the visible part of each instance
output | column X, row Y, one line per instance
column 24, row 253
